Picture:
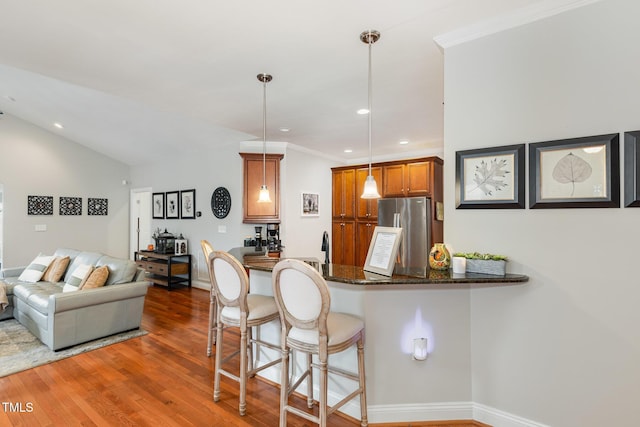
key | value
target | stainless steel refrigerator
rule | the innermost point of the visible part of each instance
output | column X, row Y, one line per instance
column 413, row 214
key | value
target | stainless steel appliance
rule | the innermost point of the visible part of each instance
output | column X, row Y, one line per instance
column 413, row 215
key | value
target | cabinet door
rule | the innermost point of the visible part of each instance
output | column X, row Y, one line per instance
column 343, row 203
column 255, row 212
column 343, row 242
column 393, row 181
column 363, row 239
column 367, row 209
column 418, row 177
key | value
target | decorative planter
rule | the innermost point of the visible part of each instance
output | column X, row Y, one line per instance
column 487, row 266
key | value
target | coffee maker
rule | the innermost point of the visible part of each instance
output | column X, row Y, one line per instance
column 273, row 238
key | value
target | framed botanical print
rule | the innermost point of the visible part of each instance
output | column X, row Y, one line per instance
column 310, row 204
column 172, row 200
column 158, row 206
column 188, row 204
column 575, row 173
column 491, row 178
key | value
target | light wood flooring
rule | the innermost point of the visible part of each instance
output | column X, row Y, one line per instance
column 161, row 379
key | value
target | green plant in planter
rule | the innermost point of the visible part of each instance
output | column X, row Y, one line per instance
column 477, row 255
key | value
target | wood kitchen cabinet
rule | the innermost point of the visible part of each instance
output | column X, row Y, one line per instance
column 254, row 212
column 406, row 180
column 343, row 201
column 354, row 218
column 367, row 209
column 343, row 242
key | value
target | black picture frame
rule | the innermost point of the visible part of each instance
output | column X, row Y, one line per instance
column 188, row 204
column 593, row 173
column 632, row 169
column 172, row 208
column 157, row 206
column 491, row 178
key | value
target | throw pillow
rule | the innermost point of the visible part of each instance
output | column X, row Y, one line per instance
column 56, row 269
column 97, row 278
column 33, row 273
column 77, row 279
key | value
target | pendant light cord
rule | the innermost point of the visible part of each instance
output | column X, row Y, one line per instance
column 264, row 133
column 369, row 106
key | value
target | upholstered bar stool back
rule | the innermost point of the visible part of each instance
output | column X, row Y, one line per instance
column 308, row 326
column 206, row 250
column 236, row 307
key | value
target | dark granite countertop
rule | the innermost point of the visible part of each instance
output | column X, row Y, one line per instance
column 431, row 279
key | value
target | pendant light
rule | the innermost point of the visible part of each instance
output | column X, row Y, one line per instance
column 370, row 187
column 264, row 191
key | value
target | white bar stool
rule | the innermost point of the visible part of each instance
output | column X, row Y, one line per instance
column 303, row 301
column 236, row 307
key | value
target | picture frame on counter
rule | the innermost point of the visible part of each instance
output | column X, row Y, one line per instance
column 310, row 204
column 157, row 210
column 172, row 209
column 188, row 204
column 632, row 169
column 491, row 178
column 383, row 250
column 575, row 173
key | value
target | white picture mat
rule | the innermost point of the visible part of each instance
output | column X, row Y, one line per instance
column 383, row 249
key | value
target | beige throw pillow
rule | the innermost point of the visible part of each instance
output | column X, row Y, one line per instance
column 77, row 279
column 97, row 278
column 56, row 269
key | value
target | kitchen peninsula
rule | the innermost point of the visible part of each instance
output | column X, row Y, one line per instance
column 396, row 310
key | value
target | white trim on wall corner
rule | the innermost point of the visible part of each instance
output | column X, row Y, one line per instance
column 515, row 18
column 441, row 411
column 497, row 418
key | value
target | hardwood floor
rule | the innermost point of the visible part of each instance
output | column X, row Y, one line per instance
column 161, row 379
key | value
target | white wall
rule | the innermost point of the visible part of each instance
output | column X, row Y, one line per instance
column 563, row 349
column 36, row 162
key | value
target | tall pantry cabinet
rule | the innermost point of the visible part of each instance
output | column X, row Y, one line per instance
column 354, row 218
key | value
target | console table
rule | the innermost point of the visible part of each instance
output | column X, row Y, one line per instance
column 165, row 269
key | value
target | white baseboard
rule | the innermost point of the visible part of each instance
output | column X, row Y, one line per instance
column 497, row 418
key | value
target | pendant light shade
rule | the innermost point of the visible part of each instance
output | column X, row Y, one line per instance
column 370, row 187
column 264, row 196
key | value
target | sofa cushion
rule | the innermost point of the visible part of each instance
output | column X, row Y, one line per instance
column 78, row 278
column 97, row 278
column 34, row 271
column 82, row 258
column 56, row 269
column 37, row 294
column 120, row 270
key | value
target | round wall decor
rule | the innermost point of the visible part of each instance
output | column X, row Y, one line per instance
column 220, row 202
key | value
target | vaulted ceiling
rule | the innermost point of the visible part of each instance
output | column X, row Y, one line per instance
column 146, row 79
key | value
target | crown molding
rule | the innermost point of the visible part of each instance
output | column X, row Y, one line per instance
column 513, row 19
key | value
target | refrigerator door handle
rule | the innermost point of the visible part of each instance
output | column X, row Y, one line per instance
column 396, row 220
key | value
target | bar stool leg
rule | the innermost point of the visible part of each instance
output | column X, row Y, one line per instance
column 309, row 357
column 211, row 339
column 218, row 362
column 364, row 422
column 323, row 390
column 242, row 407
column 284, row 387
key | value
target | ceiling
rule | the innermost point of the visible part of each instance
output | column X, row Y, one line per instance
column 146, row 80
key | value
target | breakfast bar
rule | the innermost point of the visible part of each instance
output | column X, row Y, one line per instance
column 396, row 311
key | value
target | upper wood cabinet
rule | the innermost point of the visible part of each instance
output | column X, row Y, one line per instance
column 344, row 187
column 367, row 209
column 254, row 212
column 410, row 179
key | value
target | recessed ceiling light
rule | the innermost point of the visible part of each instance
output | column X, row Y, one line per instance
column 363, row 111
column 404, row 142
column 58, row 125
column 348, row 150
column 284, row 129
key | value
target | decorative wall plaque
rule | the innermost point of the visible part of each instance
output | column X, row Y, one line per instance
column 97, row 206
column 40, row 205
column 70, row 205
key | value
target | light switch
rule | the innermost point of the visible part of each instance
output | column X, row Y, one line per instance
column 222, row 229
column 40, row 227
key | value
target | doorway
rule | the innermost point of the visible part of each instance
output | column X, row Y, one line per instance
column 139, row 220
